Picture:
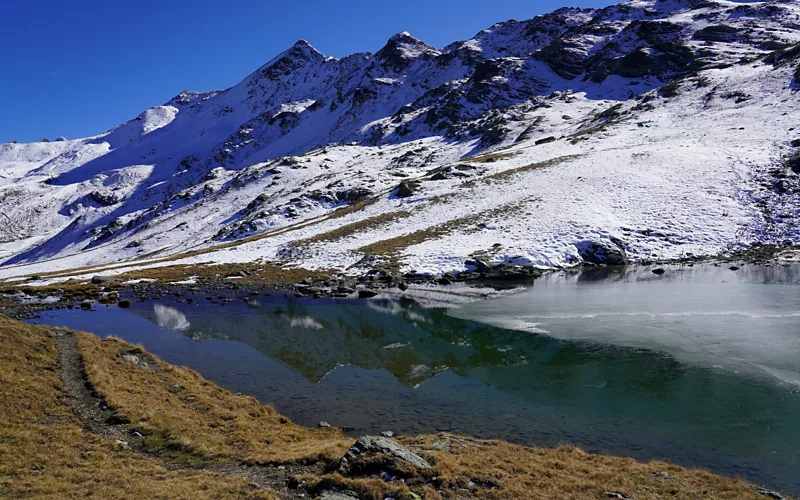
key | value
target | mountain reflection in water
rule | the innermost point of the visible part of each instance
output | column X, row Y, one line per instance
column 591, row 380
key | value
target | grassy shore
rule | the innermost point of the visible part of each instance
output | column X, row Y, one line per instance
column 186, row 424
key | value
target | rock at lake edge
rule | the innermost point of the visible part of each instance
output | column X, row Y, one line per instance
column 602, row 252
column 373, row 445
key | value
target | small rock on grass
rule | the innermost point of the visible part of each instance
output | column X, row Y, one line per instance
column 324, row 424
column 661, row 475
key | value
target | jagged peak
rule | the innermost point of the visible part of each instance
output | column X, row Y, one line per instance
column 405, row 37
column 300, row 54
column 302, row 50
column 403, row 47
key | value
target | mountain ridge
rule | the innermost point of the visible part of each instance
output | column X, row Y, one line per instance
column 348, row 130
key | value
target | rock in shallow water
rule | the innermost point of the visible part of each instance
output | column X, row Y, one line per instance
column 602, row 252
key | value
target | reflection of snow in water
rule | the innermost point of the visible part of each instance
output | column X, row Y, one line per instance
column 396, row 345
column 170, row 318
column 424, row 372
column 304, row 322
column 396, row 309
column 28, row 299
column 412, row 316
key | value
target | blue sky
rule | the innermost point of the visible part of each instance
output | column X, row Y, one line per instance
column 79, row 68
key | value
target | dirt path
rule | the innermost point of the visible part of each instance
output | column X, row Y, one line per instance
column 97, row 418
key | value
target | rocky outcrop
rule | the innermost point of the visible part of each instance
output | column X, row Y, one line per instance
column 104, row 198
column 599, row 252
column 369, row 451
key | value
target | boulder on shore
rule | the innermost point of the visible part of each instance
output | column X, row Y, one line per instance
column 602, row 252
column 369, row 447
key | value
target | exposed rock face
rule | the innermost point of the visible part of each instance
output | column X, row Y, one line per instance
column 101, row 280
column 104, row 198
column 406, row 189
column 718, row 33
column 369, row 448
column 602, row 252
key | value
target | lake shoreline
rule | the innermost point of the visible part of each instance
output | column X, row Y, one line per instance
column 24, row 300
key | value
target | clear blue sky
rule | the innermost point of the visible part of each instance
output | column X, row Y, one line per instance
column 79, row 68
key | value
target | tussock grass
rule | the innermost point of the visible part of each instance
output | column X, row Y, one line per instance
column 506, row 175
column 598, row 127
column 503, row 470
column 391, row 247
column 177, row 410
column 45, row 454
column 489, row 157
column 470, row 468
column 346, row 230
column 256, row 274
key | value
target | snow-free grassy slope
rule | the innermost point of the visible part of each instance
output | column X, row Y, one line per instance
column 663, row 173
column 44, row 452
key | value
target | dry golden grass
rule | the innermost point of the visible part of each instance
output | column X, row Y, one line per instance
column 468, row 468
column 346, row 230
column 256, row 274
column 45, row 454
column 503, row 470
column 511, row 172
column 392, row 247
column 180, row 411
column 355, row 207
column 488, row 157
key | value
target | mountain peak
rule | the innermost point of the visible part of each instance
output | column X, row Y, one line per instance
column 302, row 49
column 303, row 44
column 300, row 54
column 405, row 37
column 403, row 47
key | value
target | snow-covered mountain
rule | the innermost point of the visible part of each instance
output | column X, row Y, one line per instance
column 659, row 128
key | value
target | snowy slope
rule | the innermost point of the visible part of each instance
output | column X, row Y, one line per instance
column 667, row 126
